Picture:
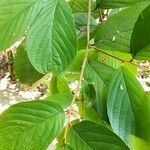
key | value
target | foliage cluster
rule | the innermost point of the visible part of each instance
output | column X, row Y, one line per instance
column 97, row 43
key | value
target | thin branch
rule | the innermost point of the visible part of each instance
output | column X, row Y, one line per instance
column 113, row 56
column 77, row 91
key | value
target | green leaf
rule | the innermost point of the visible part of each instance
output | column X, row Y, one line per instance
column 115, row 33
column 89, row 113
column 77, row 63
column 139, row 144
column 64, row 147
column 16, row 17
column 142, row 115
column 87, row 92
column 63, row 99
column 140, row 40
column 79, row 5
column 91, row 136
column 73, row 72
column 82, row 40
column 71, row 76
column 99, row 75
column 24, row 71
column 125, row 101
column 115, row 63
column 30, row 125
column 51, row 42
column 106, row 4
column 81, row 21
column 81, row 25
column 103, row 71
column 113, row 12
column 58, row 84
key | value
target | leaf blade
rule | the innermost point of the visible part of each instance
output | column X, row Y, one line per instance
column 87, row 135
column 124, row 102
column 115, row 33
column 54, row 48
column 116, row 3
column 22, row 125
column 24, row 71
column 140, row 41
column 16, row 16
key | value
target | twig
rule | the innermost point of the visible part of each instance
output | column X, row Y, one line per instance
column 113, row 56
column 77, row 91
